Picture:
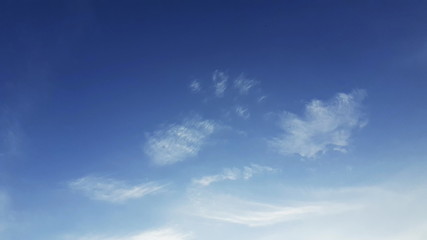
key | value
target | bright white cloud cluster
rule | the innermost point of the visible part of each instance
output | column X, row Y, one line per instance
column 158, row 234
column 111, row 190
column 243, row 84
column 178, row 142
column 324, row 126
column 195, row 86
column 245, row 173
column 220, row 80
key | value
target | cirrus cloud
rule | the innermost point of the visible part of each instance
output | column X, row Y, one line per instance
column 157, row 234
column 111, row 190
column 245, row 173
column 325, row 125
column 220, row 80
column 178, row 142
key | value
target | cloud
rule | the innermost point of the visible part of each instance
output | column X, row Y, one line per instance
column 261, row 99
column 111, row 190
column 245, row 173
column 242, row 112
column 325, row 125
column 379, row 212
column 158, row 234
column 195, row 86
column 243, row 84
column 220, row 82
column 234, row 210
column 387, row 213
column 178, row 142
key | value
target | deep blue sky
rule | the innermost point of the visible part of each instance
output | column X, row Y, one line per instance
column 130, row 120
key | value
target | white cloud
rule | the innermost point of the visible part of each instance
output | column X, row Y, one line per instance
column 178, row 142
column 158, row 234
column 243, row 84
column 396, row 214
column 195, row 86
column 234, row 210
column 379, row 212
column 242, row 112
column 220, row 82
column 245, row 173
column 111, row 190
column 326, row 125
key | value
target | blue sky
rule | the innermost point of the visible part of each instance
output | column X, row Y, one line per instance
column 167, row 120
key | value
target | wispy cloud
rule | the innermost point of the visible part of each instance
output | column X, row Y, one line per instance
column 253, row 214
column 242, row 112
column 195, row 86
column 245, row 173
column 325, row 125
column 111, row 190
column 158, row 234
column 243, row 84
column 220, row 82
column 178, row 142
column 383, row 211
column 385, row 214
column 261, row 99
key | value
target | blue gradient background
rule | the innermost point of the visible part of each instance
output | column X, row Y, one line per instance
column 82, row 83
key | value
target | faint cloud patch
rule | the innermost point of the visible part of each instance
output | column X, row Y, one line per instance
column 261, row 99
column 242, row 112
column 195, row 86
column 178, row 142
column 111, row 190
column 325, row 125
column 378, row 218
column 230, row 209
column 220, row 80
column 243, row 84
column 245, row 173
column 390, row 211
column 157, row 234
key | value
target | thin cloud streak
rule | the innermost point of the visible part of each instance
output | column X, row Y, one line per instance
column 325, row 125
column 396, row 214
column 391, row 210
column 177, row 142
column 231, row 174
column 111, row 190
column 234, row 210
column 158, row 234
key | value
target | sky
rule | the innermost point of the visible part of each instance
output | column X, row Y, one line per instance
column 189, row 120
